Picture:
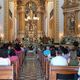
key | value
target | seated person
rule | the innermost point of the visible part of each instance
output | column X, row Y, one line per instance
column 59, row 60
column 11, row 53
column 79, row 73
column 53, row 51
column 66, row 53
column 47, row 52
column 73, row 55
column 17, row 48
column 4, row 60
column 31, row 49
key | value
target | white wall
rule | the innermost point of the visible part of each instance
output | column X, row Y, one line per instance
column 14, row 19
column 2, row 17
column 61, row 17
column 11, row 7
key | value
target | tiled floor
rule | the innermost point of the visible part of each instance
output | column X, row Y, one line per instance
column 31, row 69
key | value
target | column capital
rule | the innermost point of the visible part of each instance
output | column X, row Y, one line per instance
column 21, row 9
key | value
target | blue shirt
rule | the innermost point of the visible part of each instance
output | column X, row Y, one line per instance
column 46, row 52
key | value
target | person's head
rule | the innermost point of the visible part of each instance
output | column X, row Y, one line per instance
column 10, row 45
column 65, row 51
column 58, row 53
column 3, row 53
column 47, row 47
column 75, row 44
column 52, row 47
column 5, row 46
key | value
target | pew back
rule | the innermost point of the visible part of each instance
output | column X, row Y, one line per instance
column 54, row 70
column 6, row 72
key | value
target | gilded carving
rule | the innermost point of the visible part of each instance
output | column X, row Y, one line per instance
column 71, row 9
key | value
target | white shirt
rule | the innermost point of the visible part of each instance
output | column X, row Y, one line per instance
column 79, row 71
column 4, row 61
column 59, row 61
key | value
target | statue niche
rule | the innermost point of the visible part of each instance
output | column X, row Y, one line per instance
column 71, row 10
column 71, row 21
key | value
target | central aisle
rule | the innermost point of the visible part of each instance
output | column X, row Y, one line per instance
column 31, row 69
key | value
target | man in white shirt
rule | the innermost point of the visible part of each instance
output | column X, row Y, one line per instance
column 59, row 60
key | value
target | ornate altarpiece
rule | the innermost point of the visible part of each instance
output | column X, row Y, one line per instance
column 70, row 11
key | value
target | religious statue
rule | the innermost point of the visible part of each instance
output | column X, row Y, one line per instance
column 71, row 22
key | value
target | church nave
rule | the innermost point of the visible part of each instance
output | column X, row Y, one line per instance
column 31, row 69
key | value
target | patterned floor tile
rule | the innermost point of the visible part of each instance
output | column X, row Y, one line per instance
column 31, row 69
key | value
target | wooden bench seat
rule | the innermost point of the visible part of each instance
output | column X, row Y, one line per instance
column 6, row 73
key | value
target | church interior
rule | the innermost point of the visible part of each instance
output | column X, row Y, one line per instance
column 41, row 39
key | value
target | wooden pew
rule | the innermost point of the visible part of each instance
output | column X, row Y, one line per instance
column 6, row 73
column 44, row 64
column 17, row 65
column 47, row 62
column 54, row 70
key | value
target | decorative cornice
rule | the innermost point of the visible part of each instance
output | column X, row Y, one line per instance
column 71, row 5
column 76, row 9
